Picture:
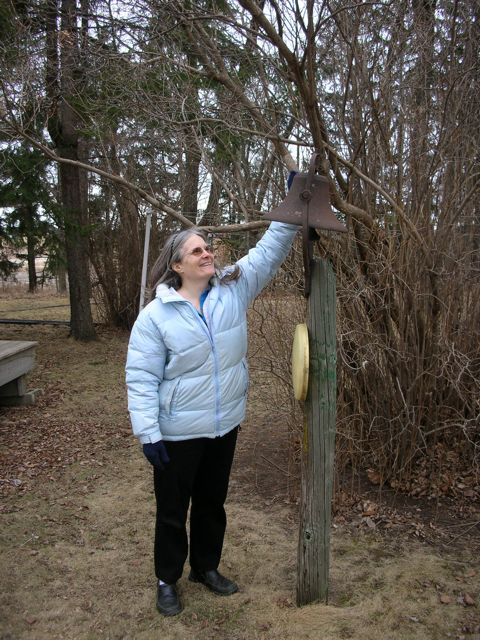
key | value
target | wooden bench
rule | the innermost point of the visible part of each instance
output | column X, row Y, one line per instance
column 17, row 358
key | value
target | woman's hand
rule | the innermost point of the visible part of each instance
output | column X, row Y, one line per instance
column 156, row 454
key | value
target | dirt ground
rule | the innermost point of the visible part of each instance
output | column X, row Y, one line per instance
column 77, row 519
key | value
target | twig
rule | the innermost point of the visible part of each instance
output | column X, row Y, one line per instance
column 276, row 466
column 475, row 524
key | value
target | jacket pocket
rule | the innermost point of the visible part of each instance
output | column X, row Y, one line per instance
column 245, row 377
column 167, row 402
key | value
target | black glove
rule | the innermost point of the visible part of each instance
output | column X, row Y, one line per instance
column 290, row 178
column 156, row 454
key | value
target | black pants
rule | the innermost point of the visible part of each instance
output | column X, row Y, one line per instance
column 199, row 470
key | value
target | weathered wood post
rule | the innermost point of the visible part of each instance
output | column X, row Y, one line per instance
column 318, row 440
column 308, row 204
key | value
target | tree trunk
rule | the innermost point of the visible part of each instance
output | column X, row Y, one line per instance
column 192, row 155
column 61, row 276
column 191, row 180
column 31, row 246
column 76, row 247
column 63, row 125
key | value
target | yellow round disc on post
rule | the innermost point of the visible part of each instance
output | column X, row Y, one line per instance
column 300, row 362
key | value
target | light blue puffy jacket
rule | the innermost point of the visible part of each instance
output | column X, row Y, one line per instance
column 187, row 378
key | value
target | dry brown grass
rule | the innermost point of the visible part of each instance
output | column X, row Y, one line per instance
column 77, row 533
column 17, row 303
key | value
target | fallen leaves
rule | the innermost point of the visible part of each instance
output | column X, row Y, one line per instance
column 369, row 508
column 440, row 472
column 464, row 599
column 374, row 476
column 468, row 600
column 39, row 445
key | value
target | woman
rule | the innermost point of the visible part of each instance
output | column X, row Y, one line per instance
column 187, row 383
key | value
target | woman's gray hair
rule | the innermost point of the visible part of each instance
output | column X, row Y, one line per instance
column 162, row 272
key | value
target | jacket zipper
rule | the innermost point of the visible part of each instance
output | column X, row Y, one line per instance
column 216, row 374
column 216, row 378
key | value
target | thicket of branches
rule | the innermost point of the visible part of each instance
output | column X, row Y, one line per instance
column 194, row 110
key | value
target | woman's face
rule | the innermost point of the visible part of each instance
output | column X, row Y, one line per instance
column 197, row 264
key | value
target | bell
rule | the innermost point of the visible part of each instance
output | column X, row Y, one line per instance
column 308, row 204
column 309, row 196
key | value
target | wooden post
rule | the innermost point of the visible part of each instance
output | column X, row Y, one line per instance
column 319, row 440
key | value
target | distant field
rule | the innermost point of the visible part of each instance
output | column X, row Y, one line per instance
column 17, row 304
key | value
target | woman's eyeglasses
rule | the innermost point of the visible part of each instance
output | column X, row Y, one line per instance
column 198, row 251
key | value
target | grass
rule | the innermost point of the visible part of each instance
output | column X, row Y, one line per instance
column 76, row 535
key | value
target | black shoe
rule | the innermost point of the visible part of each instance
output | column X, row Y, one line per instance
column 214, row 581
column 168, row 602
